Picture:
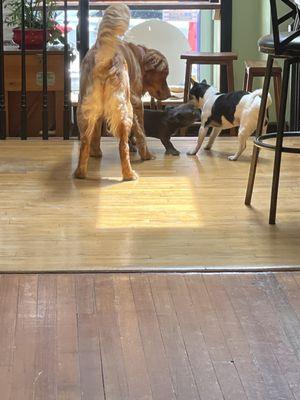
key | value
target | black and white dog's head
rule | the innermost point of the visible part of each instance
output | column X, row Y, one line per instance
column 199, row 90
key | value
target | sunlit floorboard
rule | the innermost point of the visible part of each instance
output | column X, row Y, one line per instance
column 182, row 212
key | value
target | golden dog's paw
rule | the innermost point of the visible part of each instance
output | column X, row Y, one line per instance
column 148, row 156
column 80, row 173
column 132, row 148
column 132, row 176
column 97, row 153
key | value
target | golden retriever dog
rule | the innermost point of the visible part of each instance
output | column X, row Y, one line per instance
column 114, row 76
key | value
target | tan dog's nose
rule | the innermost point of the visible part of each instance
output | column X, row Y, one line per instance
column 164, row 93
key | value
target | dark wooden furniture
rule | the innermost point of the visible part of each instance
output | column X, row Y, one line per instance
column 285, row 45
column 34, row 86
column 223, row 59
column 255, row 69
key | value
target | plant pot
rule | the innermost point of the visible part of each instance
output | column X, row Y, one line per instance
column 33, row 38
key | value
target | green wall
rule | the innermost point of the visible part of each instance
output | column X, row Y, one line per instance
column 251, row 20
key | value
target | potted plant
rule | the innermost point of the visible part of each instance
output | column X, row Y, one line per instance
column 33, row 19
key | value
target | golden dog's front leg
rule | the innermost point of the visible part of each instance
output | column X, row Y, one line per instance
column 138, row 129
column 141, row 140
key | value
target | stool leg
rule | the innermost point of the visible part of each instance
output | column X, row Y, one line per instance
column 279, row 141
column 187, row 82
column 245, row 79
column 249, row 86
column 260, row 124
column 152, row 103
column 230, row 87
column 230, row 76
column 277, row 93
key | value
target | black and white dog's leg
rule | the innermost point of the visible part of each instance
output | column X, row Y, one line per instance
column 214, row 134
column 202, row 133
column 244, row 133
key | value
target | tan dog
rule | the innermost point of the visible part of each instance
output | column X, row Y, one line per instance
column 114, row 76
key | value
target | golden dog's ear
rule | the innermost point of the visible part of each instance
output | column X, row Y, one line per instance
column 153, row 60
column 193, row 81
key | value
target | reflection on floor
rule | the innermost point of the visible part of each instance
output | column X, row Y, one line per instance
column 182, row 212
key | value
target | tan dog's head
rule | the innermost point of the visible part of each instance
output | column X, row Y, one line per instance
column 156, row 70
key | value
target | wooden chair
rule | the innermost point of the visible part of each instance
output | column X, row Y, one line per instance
column 208, row 59
column 255, row 69
column 223, row 58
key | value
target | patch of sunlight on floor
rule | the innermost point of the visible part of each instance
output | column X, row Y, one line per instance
column 149, row 202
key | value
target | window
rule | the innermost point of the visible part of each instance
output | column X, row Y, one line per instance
column 193, row 26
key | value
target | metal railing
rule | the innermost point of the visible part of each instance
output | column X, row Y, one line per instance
column 83, row 7
column 23, row 53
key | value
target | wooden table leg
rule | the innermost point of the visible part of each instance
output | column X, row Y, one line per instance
column 249, row 86
column 187, row 82
column 230, row 76
column 245, row 79
column 230, row 86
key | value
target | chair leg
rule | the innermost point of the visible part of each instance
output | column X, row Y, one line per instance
column 249, row 86
column 260, row 124
column 277, row 93
column 252, row 174
column 279, row 141
column 230, row 87
column 152, row 103
column 245, row 79
column 230, row 76
column 187, row 83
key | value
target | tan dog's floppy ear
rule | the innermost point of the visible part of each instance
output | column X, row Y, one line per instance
column 193, row 81
column 153, row 60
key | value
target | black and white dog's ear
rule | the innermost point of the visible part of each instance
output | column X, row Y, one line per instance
column 204, row 81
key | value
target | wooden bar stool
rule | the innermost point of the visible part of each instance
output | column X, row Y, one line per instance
column 284, row 45
column 208, row 59
column 222, row 58
column 254, row 69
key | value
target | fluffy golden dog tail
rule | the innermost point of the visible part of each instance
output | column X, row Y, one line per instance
column 115, row 23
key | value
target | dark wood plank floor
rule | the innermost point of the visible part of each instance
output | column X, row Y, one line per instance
column 150, row 336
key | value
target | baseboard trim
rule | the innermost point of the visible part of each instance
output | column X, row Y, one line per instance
column 167, row 270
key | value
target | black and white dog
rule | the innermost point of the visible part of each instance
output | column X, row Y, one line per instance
column 225, row 111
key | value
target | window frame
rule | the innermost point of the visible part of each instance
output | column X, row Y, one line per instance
column 225, row 7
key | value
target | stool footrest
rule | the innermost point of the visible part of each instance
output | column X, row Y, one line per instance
column 260, row 141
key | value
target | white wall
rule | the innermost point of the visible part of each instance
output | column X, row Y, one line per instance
column 7, row 31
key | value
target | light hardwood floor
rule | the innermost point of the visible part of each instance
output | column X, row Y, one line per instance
column 150, row 337
column 182, row 212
